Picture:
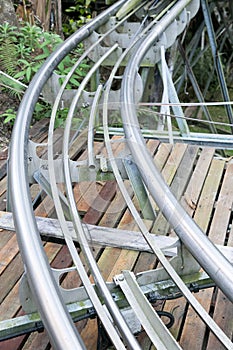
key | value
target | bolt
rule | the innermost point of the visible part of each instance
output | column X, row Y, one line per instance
column 120, row 278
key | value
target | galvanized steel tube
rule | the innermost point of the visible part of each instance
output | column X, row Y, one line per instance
column 55, row 317
column 209, row 257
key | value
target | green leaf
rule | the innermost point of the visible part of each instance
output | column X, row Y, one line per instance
column 21, row 60
column 61, row 67
column 74, row 81
column 28, row 73
column 19, row 74
column 41, row 57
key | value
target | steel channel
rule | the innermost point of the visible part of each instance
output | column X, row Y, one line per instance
column 210, row 258
column 151, row 322
column 90, row 141
column 53, row 312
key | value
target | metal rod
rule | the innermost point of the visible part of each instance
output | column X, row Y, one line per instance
column 94, row 109
column 62, row 333
column 199, row 245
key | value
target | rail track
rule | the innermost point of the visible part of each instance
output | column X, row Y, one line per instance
column 130, row 37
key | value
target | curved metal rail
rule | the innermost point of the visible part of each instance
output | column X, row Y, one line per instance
column 43, row 285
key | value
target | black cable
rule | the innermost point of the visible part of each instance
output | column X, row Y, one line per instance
column 169, row 316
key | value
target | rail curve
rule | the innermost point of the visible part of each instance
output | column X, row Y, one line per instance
column 113, row 40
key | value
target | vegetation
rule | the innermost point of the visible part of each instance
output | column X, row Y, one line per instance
column 80, row 12
column 22, row 52
column 24, row 49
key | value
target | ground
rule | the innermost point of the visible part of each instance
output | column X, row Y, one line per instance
column 6, row 102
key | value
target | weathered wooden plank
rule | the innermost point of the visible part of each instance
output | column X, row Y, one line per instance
column 223, row 209
column 194, row 332
column 173, row 162
column 11, row 304
column 3, row 168
column 194, row 329
column 162, row 155
column 189, row 201
column 100, row 203
column 223, row 316
column 87, row 192
column 38, row 341
column 209, row 193
column 160, row 158
column 8, row 252
column 10, row 278
column 178, row 185
column 5, row 236
column 3, row 186
column 152, row 146
column 12, row 344
column 223, row 308
column 192, row 193
column 40, row 127
column 112, row 260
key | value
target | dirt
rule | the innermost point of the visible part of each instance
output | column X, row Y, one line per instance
column 6, row 102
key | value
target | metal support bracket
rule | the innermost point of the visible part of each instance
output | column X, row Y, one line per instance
column 155, row 328
column 139, row 189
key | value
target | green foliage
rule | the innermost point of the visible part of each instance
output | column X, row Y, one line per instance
column 22, row 52
column 9, row 116
column 8, row 51
column 80, row 13
column 15, row 88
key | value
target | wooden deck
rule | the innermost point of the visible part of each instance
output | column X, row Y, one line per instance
column 203, row 182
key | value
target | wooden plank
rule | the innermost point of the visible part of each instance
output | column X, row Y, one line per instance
column 189, row 201
column 11, row 305
column 178, row 185
column 223, row 316
column 5, row 237
column 173, row 158
column 39, row 341
column 194, row 332
column 173, row 162
column 223, row 208
column 209, row 193
column 170, row 167
column 223, row 308
column 40, row 127
column 10, row 278
column 112, row 260
column 3, row 186
column 7, row 253
column 197, row 180
column 162, row 155
column 3, row 169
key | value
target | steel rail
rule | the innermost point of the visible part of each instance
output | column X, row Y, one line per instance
column 108, row 324
column 56, row 197
column 83, row 241
column 190, row 234
column 199, row 309
column 46, row 293
column 53, row 312
column 100, row 283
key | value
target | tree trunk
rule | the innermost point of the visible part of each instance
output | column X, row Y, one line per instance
column 49, row 14
column 7, row 12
